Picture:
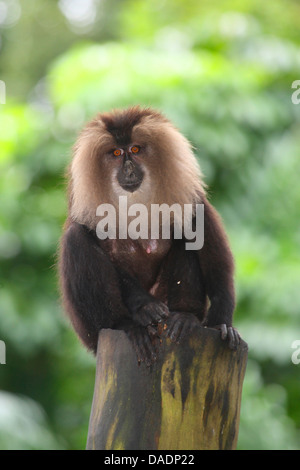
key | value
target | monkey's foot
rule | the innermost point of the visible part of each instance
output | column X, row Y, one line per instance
column 144, row 342
column 230, row 334
column 181, row 325
column 152, row 313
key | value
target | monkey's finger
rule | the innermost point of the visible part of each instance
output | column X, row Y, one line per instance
column 237, row 338
column 160, row 312
column 185, row 330
column 232, row 338
column 223, row 329
column 147, row 348
column 135, row 337
column 174, row 329
column 156, row 316
column 155, row 338
column 142, row 353
column 149, row 351
column 153, row 333
column 165, row 311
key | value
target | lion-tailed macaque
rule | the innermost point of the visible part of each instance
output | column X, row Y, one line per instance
column 145, row 285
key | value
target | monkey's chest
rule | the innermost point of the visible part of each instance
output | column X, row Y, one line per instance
column 140, row 258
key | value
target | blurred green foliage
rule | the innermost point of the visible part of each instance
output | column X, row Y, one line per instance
column 222, row 71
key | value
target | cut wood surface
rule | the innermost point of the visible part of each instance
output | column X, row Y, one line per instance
column 188, row 400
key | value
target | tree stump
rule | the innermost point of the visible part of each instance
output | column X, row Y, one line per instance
column 188, row 400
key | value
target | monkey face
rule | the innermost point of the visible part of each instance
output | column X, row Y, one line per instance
column 135, row 151
column 130, row 173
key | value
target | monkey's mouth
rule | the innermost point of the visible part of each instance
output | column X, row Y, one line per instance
column 131, row 187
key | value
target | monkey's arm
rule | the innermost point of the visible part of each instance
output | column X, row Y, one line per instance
column 217, row 266
column 93, row 291
column 89, row 284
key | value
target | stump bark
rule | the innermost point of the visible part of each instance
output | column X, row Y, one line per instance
column 188, row 400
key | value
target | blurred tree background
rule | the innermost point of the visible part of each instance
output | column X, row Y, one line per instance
column 222, row 71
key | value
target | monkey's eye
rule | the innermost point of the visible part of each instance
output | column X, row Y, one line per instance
column 118, row 152
column 134, row 149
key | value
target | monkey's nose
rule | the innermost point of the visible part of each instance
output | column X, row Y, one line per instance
column 128, row 168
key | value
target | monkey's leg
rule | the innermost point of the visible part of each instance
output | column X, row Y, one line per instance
column 217, row 268
column 92, row 294
column 186, row 292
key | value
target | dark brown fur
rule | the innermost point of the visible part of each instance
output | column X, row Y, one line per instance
column 120, row 125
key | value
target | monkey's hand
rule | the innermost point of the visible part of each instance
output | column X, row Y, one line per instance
column 145, row 343
column 151, row 314
column 228, row 333
column 181, row 325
